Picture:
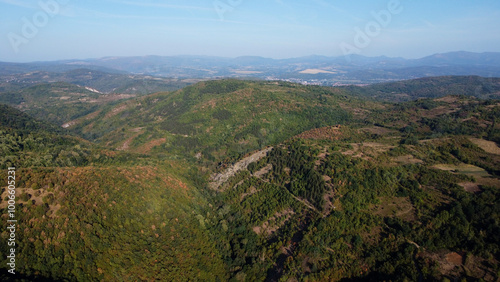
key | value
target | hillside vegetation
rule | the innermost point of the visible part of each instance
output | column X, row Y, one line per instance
column 260, row 181
column 431, row 87
column 89, row 213
column 218, row 119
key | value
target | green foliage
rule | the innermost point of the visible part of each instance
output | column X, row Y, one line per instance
column 431, row 87
column 346, row 206
column 113, row 223
column 226, row 117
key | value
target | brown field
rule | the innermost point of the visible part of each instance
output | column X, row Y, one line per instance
column 482, row 176
column 316, row 71
column 464, row 169
column 408, row 159
column 395, row 207
column 470, row 187
column 324, row 133
column 146, row 148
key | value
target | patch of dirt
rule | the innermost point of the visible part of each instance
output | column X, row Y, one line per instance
column 408, row 159
column 217, row 179
column 126, row 145
column 138, row 129
column 274, row 222
column 252, row 190
column 263, row 171
column 482, row 176
column 324, row 133
column 79, row 120
column 377, row 148
column 488, row 146
column 116, row 111
column 454, row 258
column 400, row 207
column 456, row 265
column 470, row 187
column 329, row 206
column 438, row 111
column 447, row 262
column 448, row 99
column 35, row 196
column 146, row 148
column 355, row 152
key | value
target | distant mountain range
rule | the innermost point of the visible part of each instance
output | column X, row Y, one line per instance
column 320, row 70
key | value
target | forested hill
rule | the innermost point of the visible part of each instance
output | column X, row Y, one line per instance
column 218, row 119
column 259, row 181
column 88, row 213
column 432, row 87
column 11, row 118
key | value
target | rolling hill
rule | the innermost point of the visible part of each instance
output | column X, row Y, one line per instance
column 432, row 87
column 318, row 70
column 110, row 82
column 89, row 209
column 264, row 181
column 217, row 119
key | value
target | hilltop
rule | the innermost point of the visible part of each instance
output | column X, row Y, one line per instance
column 217, row 119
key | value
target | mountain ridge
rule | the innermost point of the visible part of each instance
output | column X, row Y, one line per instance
column 353, row 69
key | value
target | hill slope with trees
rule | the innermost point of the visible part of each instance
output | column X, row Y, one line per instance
column 345, row 187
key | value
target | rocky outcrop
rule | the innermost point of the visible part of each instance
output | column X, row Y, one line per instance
column 217, row 179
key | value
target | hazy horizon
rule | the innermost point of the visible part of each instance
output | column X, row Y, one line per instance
column 232, row 57
column 51, row 30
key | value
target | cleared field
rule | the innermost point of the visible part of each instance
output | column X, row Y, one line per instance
column 316, row 71
column 395, row 207
column 408, row 159
column 488, row 146
column 482, row 176
column 464, row 169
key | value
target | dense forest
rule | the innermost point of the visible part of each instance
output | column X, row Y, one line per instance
column 258, row 181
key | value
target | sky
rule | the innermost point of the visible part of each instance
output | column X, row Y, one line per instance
column 46, row 30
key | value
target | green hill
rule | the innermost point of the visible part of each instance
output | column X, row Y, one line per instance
column 58, row 102
column 88, row 213
column 107, row 81
column 254, row 181
column 218, row 119
column 431, row 87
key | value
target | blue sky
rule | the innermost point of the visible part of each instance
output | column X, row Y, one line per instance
column 69, row 29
